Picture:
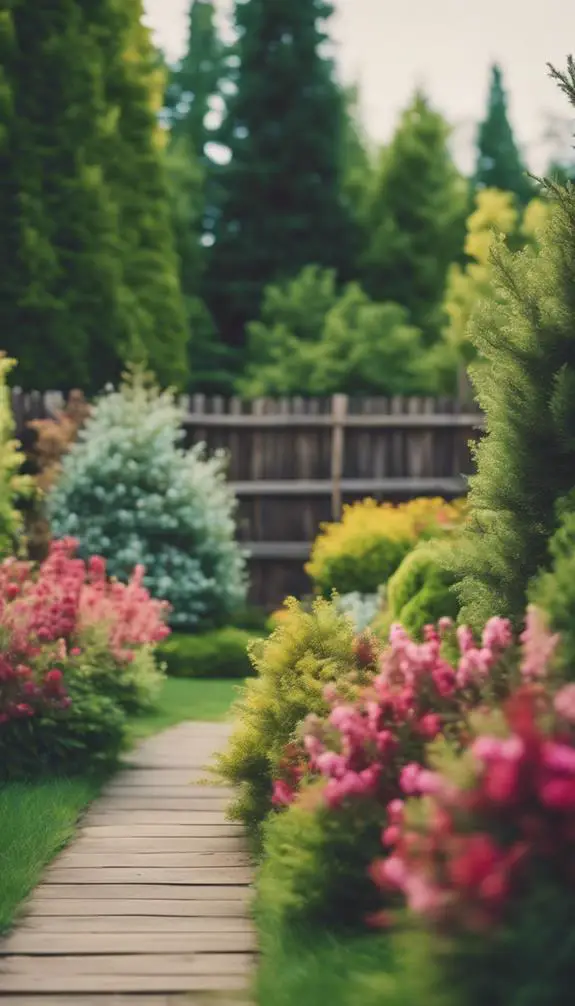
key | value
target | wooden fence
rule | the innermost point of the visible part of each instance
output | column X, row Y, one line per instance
column 294, row 463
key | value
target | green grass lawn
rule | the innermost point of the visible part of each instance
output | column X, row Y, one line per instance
column 187, row 699
column 38, row 819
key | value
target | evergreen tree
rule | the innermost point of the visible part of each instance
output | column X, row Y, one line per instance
column 282, row 205
column 89, row 274
column 416, row 216
column 499, row 162
column 137, row 176
column 63, row 306
column 495, row 213
column 194, row 81
column 526, row 463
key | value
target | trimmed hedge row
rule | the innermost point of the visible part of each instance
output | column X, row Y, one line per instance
column 222, row 653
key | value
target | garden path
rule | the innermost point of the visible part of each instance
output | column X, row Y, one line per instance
column 149, row 906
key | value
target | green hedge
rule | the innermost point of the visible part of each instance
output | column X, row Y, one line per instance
column 218, row 654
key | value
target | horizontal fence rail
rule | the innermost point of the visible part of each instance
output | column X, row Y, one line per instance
column 295, row 462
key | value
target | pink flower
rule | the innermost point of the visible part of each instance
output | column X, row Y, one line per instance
column 538, row 646
column 282, row 795
column 565, row 703
column 465, row 638
column 409, row 778
column 430, row 725
column 497, row 634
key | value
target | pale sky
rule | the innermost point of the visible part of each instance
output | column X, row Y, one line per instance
column 390, row 46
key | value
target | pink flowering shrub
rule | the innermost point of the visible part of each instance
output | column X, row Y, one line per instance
column 477, row 845
column 361, row 747
column 345, row 766
column 72, row 645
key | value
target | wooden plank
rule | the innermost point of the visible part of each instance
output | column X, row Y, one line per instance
column 80, row 861
column 104, row 983
column 110, row 892
column 310, row 420
column 191, row 818
column 230, row 829
column 169, row 905
column 115, row 804
column 338, row 416
column 96, row 1000
column 198, row 875
column 124, row 845
column 127, row 964
column 29, row 943
column 146, row 791
column 400, row 486
column 134, row 924
column 136, row 777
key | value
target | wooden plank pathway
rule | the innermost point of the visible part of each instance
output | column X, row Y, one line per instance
column 149, row 906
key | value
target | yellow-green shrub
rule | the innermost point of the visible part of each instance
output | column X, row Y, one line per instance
column 307, row 651
column 361, row 552
column 420, row 591
column 12, row 484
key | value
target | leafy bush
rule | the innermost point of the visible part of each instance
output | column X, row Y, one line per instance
column 305, row 652
column 420, row 592
column 12, row 484
column 361, row 552
column 129, row 492
column 222, row 653
column 554, row 591
column 315, row 865
column 315, row 340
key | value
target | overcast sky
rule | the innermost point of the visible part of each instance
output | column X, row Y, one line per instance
column 391, row 46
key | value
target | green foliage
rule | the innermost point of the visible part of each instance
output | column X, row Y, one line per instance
column 12, row 484
column 415, row 217
column 89, row 272
column 219, row 654
column 129, row 493
column 316, row 860
column 499, row 162
column 194, row 81
column 525, row 463
column 87, row 736
column 209, row 361
column 313, row 340
column 554, row 591
column 494, row 215
column 281, row 203
column 522, row 962
column 306, row 651
column 420, row 592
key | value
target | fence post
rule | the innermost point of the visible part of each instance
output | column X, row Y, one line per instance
column 338, row 415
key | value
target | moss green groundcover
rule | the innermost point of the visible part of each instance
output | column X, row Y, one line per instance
column 38, row 819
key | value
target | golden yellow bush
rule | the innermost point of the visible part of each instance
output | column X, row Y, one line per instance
column 360, row 552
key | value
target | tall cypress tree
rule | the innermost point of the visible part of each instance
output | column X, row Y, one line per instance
column 195, row 80
column 415, row 217
column 282, row 205
column 499, row 162
column 89, row 274
column 526, row 463
column 62, row 303
column 137, row 176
